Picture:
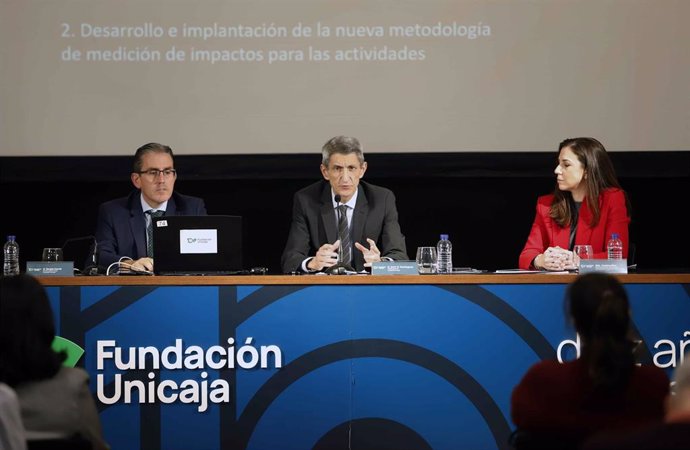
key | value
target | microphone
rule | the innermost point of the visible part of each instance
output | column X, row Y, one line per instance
column 337, row 198
column 340, row 268
column 91, row 263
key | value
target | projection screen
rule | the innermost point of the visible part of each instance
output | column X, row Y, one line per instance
column 101, row 77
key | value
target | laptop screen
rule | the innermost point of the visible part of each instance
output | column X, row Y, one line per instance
column 197, row 245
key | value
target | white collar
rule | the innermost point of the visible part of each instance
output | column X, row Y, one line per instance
column 145, row 206
column 350, row 203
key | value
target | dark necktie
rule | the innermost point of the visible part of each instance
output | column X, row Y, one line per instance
column 344, row 235
column 149, row 230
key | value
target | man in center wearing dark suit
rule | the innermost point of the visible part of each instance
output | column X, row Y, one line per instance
column 123, row 230
column 372, row 232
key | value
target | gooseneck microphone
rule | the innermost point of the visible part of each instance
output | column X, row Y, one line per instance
column 337, row 198
column 340, row 268
column 91, row 267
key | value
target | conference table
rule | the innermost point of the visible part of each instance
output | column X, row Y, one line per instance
column 299, row 362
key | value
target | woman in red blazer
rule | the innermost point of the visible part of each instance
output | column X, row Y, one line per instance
column 587, row 206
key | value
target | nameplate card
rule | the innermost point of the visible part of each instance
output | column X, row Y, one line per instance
column 394, row 268
column 50, row 268
column 604, row 265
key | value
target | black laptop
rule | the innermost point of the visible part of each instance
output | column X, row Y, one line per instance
column 197, row 245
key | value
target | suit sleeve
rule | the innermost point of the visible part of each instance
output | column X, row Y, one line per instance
column 524, row 404
column 392, row 239
column 536, row 400
column 297, row 247
column 537, row 241
column 105, row 236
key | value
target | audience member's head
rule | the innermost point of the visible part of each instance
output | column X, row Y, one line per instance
column 27, row 330
column 599, row 308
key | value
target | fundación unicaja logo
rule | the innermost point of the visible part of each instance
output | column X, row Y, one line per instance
column 199, row 240
column 74, row 352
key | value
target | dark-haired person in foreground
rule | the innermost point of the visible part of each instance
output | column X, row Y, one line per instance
column 372, row 225
column 55, row 401
column 123, row 230
column 604, row 389
column 673, row 434
column 586, row 207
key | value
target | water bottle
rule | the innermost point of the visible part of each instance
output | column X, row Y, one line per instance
column 615, row 247
column 10, row 264
column 444, row 250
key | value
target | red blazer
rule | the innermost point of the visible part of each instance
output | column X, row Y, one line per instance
column 547, row 233
column 560, row 398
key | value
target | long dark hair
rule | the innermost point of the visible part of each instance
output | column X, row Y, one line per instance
column 27, row 331
column 600, row 175
column 599, row 307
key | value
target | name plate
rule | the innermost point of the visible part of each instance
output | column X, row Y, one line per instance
column 604, row 265
column 50, row 268
column 394, row 268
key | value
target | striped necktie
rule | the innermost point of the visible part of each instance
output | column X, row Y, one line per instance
column 344, row 235
column 149, row 230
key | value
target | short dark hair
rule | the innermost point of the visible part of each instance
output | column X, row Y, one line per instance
column 343, row 145
column 151, row 147
column 27, row 331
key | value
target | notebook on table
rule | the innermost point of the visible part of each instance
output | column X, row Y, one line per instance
column 197, row 245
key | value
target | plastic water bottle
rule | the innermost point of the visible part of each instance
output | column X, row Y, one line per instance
column 444, row 250
column 615, row 247
column 10, row 253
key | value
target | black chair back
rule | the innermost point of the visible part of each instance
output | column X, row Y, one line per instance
column 541, row 440
column 76, row 442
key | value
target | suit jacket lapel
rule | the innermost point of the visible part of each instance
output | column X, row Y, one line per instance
column 359, row 221
column 137, row 225
column 359, row 218
column 171, row 208
column 328, row 214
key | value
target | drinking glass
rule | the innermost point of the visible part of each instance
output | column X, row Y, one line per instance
column 584, row 251
column 426, row 260
column 52, row 254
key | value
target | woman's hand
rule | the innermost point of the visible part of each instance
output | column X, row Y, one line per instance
column 556, row 259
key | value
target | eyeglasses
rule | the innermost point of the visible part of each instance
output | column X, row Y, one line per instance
column 155, row 173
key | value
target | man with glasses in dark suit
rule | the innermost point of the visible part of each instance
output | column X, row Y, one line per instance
column 124, row 227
